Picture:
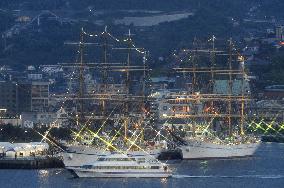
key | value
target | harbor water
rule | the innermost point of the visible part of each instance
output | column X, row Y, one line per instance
column 265, row 169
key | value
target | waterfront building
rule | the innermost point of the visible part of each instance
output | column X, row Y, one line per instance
column 24, row 96
column 18, row 97
column 23, row 150
column 15, row 121
column 39, row 96
column 279, row 32
column 9, row 98
column 30, row 119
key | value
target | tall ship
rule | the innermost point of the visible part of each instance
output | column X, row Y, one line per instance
column 213, row 113
column 123, row 166
column 118, row 121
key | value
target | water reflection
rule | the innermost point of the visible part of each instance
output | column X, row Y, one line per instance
column 43, row 174
column 204, row 166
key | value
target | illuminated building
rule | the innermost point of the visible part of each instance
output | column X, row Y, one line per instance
column 39, row 96
column 279, row 32
column 9, row 98
column 18, row 97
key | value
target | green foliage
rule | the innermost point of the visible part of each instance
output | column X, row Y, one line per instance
column 61, row 133
column 272, row 8
column 45, row 45
column 32, row 4
column 274, row 74
column 9, row 133
column 271, row 74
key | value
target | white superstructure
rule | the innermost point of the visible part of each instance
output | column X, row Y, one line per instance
column 123, row 166
column 79, row 155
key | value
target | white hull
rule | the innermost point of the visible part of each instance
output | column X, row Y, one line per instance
column 128, row 174
column 123, row 166
column 81, row 155
column 204, row 150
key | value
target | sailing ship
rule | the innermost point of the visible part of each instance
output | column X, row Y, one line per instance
column 200, row 148
column 123, row 131
column 223, row 114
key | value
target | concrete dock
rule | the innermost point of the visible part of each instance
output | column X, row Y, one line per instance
column 31, row 163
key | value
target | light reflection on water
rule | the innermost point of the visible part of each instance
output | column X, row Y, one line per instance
column 43, row 176
column 43, row 173
column 164, row 180
column 204, row 166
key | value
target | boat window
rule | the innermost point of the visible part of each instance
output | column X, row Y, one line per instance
column 141, row 159
column 155, row 167
column 116, row 159
column 125, row 167
column 87, row 166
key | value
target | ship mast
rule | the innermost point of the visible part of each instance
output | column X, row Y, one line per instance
column 127, row 83
column 80, row 65
column 212, row 60
column 194, row 84
column 81, row 75
column 125, row 99
column 129, row 41
column 144, row 78
column 243, row 94
column 194, row 62
column 230, row 89
column 127, row 68
column 105, row 67
column 229, row 99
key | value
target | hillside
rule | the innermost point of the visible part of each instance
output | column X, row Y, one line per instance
column 44, row 43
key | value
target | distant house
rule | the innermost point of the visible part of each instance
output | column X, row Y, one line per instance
column 23, row 19
column 30, row 119
column 61, row 118
column 250, row 50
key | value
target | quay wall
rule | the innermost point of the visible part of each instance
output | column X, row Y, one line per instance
column 31, row 163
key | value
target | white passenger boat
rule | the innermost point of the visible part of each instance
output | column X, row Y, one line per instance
column 123, row 166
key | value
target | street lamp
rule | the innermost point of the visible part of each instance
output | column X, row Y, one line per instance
column 25, row 135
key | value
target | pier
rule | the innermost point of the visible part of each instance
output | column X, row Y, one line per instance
column 31, row 163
